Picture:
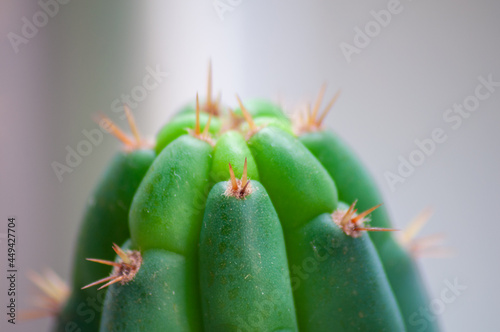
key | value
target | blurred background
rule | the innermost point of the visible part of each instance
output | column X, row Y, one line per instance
column 424, row 67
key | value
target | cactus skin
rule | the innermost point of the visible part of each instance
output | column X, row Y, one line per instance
column 180, row 239
column 408, row 286
column 232, row 148
column 243, row 264
column 298, row 185
column 351, row 177
column 167, row 210
column 345, row 287
column 105, row 222
column 145, row 303
column 355, row 183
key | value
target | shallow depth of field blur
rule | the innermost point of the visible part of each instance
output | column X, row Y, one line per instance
column 403, row 77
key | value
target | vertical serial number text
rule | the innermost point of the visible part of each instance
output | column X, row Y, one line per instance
column 11, row 270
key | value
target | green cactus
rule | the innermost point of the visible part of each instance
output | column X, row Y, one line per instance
column 105, row 221
column 355, row 184
column 238, row 222
column 243, row 264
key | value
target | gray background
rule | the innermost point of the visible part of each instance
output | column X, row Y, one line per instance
column 394, row 91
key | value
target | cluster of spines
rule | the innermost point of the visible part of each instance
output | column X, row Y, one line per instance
column 124, row 270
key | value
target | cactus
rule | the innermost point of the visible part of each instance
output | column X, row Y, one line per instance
column 105, row 220
column 240, row 220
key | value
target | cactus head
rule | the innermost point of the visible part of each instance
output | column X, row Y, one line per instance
column 236, row 225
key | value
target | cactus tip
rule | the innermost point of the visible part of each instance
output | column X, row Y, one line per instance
column 232, row 122
column 218, row 101
column 205, row 135
column 112, row 281
column 102, row 261
column 114, row 130
column 415, row 226
column 244, row 176
column 247, row 115
column 312, row 121
column 315, row 110
column 130, row 143
column 238, row 188
column 209, row 83
column 234, row 184
column 207, row 126
column 132, row 124
column 197, row 124
column 124, row 270
column 366, row 213
column 353, row 224
column 319, row 122
column 122, row 254
column 427, row 246
column 211, row 107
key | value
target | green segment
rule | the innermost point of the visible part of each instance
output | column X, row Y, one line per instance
column 232, row 148
column 179, row 126
column 338, row 281
column 351, row 177
column 106, row 215
column 299, row 186
column 105, row 221
column 167, row 209
column 243, row 265
column 354, row 182
column 409, row 288
column 161, row 297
